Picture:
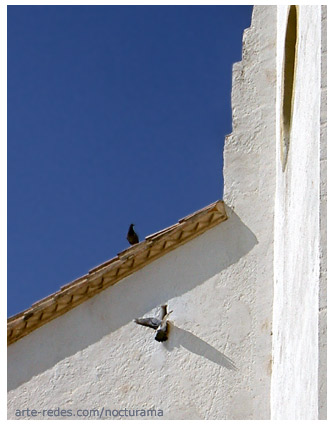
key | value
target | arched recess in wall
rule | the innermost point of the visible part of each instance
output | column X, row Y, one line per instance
column 288, row 81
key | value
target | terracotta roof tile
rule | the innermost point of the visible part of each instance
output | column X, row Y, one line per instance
column 112, row 271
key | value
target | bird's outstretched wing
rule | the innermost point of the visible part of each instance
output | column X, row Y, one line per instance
column 150, row 322
column 162, row 331
column 163, row 311
column 159, row 324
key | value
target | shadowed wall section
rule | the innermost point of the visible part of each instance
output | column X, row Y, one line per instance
column 115, row 360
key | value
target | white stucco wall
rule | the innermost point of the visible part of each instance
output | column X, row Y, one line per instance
column 249, row 181
column 217, row 361
column 322, row 331
column 297, row 238
column 246, row 318
column 94, row 356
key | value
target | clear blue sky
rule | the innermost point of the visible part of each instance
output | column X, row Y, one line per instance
column 116, row 114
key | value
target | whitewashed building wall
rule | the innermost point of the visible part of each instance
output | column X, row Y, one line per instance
column 225, row 358
column 299, row 321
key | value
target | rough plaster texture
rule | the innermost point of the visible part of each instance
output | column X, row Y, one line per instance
column 94, row 356
column 294, row 392
column 322, row 375
column 249, row 179
column 217, row 361
column 225, row 287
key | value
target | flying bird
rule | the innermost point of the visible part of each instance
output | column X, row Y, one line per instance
column 160, row 324
column 132, row 236
column 162, row 331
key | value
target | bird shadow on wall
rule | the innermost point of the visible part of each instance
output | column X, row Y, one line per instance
column 181, row 337
column 171, row 276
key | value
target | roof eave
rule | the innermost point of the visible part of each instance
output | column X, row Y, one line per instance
column 112, row 271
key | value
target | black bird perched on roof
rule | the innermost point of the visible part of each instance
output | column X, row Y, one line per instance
column 132, row 236
column 160, row 324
